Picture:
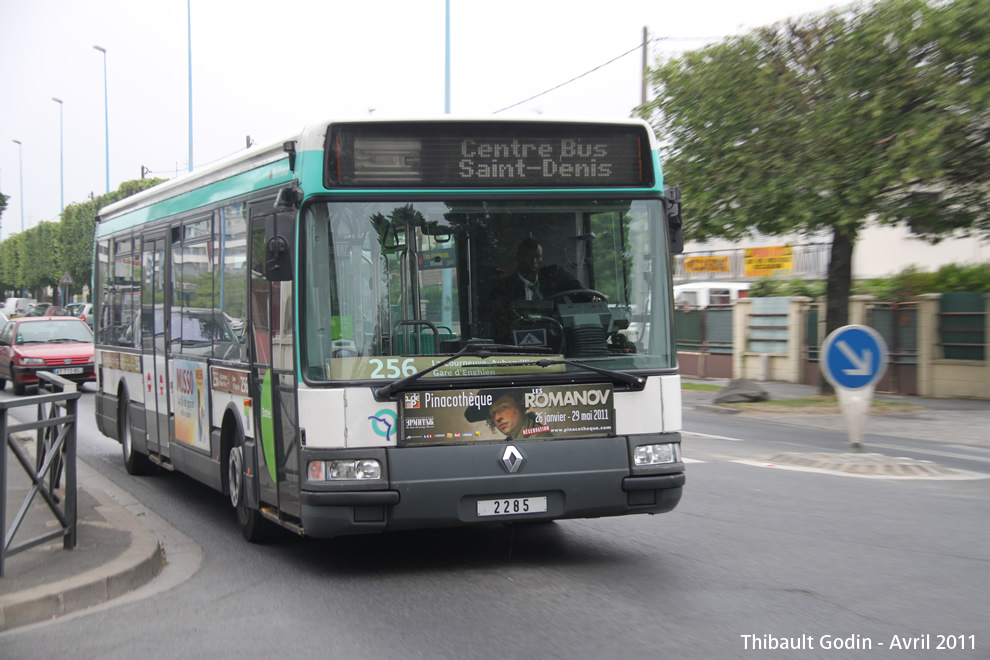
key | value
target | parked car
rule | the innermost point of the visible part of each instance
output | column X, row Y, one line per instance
column 38, row 309
column 57, row 311
column 702, row 294
column 83, row 311
column 59, row 344
column 17, row 306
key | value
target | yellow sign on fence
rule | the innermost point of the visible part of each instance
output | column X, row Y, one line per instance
column 775, row 260
column 706, row 265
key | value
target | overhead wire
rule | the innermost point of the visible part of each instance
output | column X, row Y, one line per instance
column 601, row 66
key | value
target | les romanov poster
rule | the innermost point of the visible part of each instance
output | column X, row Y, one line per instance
column 512, row 413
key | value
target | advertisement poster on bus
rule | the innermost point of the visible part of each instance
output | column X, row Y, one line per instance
column 191, row 424
column 510, row 413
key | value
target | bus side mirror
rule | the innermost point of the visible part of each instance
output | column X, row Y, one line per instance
column 675, row 224
column 279, row 234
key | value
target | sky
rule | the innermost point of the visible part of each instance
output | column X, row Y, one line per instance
column 267, row 69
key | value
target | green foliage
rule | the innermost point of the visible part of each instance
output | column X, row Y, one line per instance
column 38, row 257
column 826, row 119
column 767, row 287
column 818, row 123
column 906, row 285
column 912, row 282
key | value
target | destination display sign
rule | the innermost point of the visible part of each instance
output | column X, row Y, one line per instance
column 497, row 154
column 374, row 368
column 509, row 413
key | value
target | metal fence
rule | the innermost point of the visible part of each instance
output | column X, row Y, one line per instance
column 897, row 323
column 704, row 341
column 55, row 453
column 962, row 326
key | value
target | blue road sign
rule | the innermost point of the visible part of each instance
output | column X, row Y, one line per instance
column 854, row 357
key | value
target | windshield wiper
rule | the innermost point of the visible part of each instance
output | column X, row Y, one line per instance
column 637, row 382
column 469, row 350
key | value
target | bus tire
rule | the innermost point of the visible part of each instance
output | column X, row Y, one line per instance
column 135, row 462
column 254, row 527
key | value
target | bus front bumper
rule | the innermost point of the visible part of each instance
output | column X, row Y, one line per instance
column 442, row 486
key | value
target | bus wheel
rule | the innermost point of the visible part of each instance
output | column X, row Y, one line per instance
column 135, row 462
column 253, row 525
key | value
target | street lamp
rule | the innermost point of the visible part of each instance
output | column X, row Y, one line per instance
column 61, row 156
column 189, row 29
column 106, row 111
column 20, row 167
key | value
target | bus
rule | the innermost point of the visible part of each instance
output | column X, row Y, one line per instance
column 321, row 330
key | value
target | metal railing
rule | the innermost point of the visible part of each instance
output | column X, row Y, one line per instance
column 809, row 261
column 55, row 451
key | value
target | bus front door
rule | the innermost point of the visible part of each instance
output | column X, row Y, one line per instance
column 154, row 339
column 274, row 380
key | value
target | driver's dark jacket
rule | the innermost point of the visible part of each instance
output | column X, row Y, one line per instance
column 552, row 280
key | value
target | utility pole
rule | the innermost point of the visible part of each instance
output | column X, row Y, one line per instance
column 646, row 41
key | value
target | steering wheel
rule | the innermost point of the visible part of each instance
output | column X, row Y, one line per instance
column 571, row 292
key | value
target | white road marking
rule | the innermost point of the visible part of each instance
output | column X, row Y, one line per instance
column 947, row 454
column 712, row 437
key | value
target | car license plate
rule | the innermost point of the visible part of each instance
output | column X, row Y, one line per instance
column 512, row 506
column 68, row 370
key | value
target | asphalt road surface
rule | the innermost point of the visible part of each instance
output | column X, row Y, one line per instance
column 753, row 557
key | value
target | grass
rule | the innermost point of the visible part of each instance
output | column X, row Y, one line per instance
column 817, row 403
column 809, row 404
column 700, row 387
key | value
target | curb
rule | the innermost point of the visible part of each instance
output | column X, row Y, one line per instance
column 138, row 565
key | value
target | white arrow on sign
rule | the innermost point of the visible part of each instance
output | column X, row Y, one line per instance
column 861, row 364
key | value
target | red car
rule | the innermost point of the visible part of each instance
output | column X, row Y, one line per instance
column 60, row 344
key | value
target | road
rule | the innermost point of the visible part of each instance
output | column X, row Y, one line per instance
column 751, row 551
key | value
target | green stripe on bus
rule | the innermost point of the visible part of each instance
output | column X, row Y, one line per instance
column 268, row 425
column 272, row 174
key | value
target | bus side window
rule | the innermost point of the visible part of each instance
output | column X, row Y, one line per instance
column 233, row 276
column 260, row 296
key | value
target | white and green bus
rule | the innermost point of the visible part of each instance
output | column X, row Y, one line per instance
column 385, row 325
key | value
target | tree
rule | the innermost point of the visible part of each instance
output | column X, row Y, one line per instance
column 824, row 122
column 38, row 267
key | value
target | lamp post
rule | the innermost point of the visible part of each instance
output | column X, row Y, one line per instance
column 20, row 167
column 189, row 28
column 61, row 156
column 106, row 111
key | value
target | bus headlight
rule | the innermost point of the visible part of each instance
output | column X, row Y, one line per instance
column 668, row 452
column 345, row 470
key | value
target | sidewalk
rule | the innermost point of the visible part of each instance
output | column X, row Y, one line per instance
column 951, row 421
column 115, row 552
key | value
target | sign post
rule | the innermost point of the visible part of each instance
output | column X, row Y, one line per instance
column 65, row 284
column 853, row 359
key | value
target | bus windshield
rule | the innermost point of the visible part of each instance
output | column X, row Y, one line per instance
column 391, row 286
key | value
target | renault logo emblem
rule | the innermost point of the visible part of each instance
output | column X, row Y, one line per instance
column 512, row 459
